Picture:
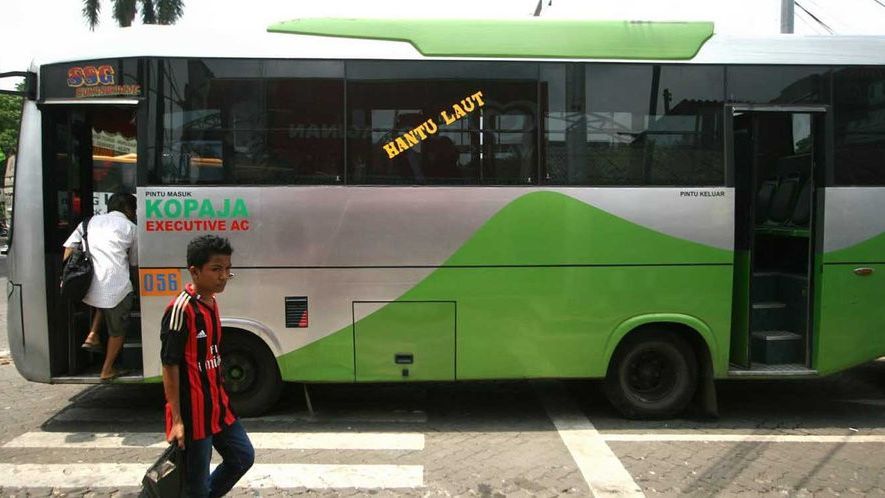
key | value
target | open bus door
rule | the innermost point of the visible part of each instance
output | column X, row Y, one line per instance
column 777, row 155
column 89, row 154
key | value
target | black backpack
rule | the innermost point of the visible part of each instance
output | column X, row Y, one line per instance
column 77, row 274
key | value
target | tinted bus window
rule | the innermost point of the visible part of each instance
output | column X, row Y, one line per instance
column 226, row 121
column 305, row 137
column 778, row 84
column 632, row 124
column 859, row 112
column 114, row 154
column 426, row 123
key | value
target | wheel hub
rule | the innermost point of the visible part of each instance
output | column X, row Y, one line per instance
column 239, row 372
column 651, row 375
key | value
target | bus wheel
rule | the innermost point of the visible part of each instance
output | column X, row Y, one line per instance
column 652, row 375
column 251, row 376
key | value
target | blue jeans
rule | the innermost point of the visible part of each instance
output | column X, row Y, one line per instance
column 237, row 456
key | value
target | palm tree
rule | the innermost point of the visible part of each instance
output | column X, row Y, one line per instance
column 152, row 11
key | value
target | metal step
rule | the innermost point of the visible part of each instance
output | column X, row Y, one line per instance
column 775, row 335
column 768, row 315
column 775, row 347
column 769, row 305
column 758, row 370
column 94, row 379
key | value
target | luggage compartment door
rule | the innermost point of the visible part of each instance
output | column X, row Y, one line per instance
column 403, row 341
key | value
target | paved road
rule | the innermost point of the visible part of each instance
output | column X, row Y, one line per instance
column 811, row 438
column 824, row 438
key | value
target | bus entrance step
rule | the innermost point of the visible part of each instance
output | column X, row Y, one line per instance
column 133, row 376
column 760, row 370
column 775, row 347
column 130, row 356
column 768, row 315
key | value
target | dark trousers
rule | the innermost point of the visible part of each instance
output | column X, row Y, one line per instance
column 237, row 456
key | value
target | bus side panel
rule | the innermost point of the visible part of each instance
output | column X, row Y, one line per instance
column 851, row 328
column 556, row 322
column 321, row 348
column 29, row 347
column 511, row 322
column 255, row 302
column 539, row 279
column 329, row 359
column 852, row 317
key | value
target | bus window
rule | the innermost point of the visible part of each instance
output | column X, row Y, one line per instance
column 778, row 85
column 859, row 94
column 442, row 123
column 114, row 154
column 237, row 127
column 632, row 124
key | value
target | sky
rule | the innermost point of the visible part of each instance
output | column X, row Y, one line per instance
column 28, row 27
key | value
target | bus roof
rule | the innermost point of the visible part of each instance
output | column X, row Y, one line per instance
column 172, row 41
column 521, row 38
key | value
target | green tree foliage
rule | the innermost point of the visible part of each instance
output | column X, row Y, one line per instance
column 10, row 117
column 152, row 11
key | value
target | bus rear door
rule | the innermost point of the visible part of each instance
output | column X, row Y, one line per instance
column 778, row 154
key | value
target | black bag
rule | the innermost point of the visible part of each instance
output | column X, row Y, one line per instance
column 77, row 274
column 165, row 478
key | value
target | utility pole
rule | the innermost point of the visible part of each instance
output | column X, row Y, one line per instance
column 787, row 16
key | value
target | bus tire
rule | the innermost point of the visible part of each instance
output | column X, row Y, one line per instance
column 652, row 375
column 251, row 375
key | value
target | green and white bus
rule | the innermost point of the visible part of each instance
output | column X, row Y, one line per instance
column 652, row 204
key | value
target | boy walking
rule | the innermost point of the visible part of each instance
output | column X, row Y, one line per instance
column 198, row 413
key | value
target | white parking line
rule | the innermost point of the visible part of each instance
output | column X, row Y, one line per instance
column 602, row 470
column 316, row 476
column 260, row 440
column 741, row 438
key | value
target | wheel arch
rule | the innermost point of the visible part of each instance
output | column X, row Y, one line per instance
column 249, row 350
column 693, row 329
column 258, row 329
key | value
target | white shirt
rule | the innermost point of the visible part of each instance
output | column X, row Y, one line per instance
column 113, row 246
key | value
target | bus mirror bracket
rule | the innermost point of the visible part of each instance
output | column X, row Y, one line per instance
column 29, row 90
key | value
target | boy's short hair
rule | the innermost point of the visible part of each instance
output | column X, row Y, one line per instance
column 120, row 201
column 202, row 248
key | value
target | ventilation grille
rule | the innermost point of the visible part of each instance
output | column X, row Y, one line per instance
column 296, row 312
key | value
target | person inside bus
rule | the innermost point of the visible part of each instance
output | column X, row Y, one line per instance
column 113, row 247
column 442, row 159
column 407, row 166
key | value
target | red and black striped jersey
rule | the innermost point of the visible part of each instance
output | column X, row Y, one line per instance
column 191, row 335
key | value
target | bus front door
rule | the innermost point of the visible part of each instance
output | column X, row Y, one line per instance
column 775, row 156
column 89, row 153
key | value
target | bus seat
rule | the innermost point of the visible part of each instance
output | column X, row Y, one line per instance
column 802, row 211
column 763, row 199
column 783, row 200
